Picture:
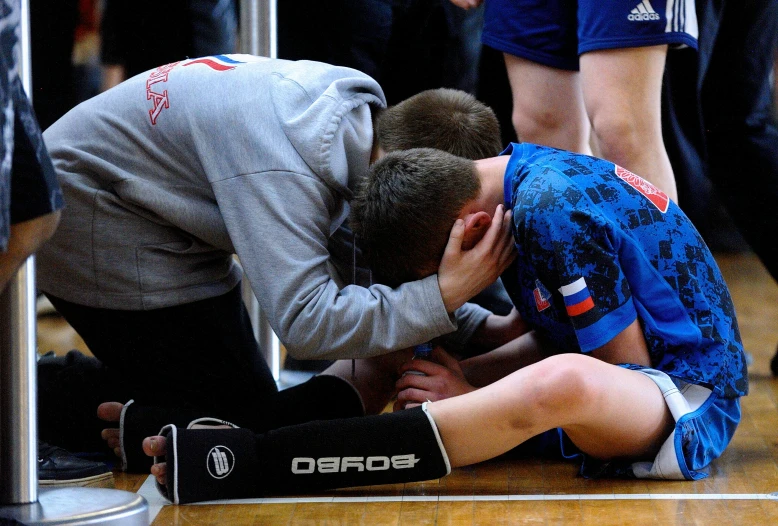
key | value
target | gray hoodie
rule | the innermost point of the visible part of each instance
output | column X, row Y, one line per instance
column 169, row 174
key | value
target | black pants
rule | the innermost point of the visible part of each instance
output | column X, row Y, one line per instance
column 719, row 125
column 200, row 357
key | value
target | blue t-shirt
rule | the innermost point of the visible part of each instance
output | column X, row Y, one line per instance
column 597, row 247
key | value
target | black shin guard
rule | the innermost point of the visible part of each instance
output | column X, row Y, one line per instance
column 138, row 422
column 320, row 398
column 210, row 464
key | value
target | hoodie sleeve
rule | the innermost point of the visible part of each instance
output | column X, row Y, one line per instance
column 280, row 224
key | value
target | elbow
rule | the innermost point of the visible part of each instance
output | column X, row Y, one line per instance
column 302, row 344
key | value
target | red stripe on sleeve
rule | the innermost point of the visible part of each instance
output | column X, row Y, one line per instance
column 580, row 308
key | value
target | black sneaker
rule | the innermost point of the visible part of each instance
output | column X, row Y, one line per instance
column 58, row 467
column 774, row 364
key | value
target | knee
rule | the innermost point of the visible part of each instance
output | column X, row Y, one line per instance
column 532, row 124
column 621, row 136
column 564, row 385
column 551, row 127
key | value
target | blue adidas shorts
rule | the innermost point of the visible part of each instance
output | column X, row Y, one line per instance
column 704, row 425
column 555, row 32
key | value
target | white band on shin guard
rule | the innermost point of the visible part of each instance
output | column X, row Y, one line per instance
column 437, row 437
column 122, row 443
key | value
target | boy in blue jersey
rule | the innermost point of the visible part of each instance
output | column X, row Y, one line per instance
column 634, row 350
column 632, row 357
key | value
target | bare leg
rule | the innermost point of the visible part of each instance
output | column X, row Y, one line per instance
column 622, row 93
column 548, row 107
column 26, row 238
column 607, row 411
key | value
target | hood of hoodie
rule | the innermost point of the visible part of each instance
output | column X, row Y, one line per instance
column 326, row 114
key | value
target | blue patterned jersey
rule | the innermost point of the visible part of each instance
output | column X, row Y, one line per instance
column 597, row 247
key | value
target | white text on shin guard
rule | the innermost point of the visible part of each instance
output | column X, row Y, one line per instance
column 306, row 465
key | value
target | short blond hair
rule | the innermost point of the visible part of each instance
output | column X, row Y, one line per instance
column 446, row 119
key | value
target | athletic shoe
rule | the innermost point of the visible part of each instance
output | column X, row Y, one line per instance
column 774, row 364
column 58, row 467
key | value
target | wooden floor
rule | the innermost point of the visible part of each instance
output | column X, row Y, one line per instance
column 513, row 491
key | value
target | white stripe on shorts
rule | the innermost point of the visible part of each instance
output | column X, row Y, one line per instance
column 681, row 17
column 690, row 398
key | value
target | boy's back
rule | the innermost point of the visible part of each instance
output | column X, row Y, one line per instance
column 180, row 167
column 597, row 246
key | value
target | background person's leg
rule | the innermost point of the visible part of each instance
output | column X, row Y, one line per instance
column 622, row 93
column 200, row 357
column 548, row 108
column 70, row 388
column 740, row 127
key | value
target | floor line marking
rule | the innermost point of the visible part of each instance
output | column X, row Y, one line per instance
column 156, row 501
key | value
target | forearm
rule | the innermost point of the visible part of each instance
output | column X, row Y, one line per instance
column 488, row 368
column 496, row 331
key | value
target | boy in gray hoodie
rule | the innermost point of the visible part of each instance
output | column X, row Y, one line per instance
column 172, row 172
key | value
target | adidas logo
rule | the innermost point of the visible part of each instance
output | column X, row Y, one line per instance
column 643, row 13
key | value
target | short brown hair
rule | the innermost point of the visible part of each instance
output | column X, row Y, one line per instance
column 405, row 208
column 450, row 120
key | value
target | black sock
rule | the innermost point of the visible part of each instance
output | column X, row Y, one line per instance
column 210, row 464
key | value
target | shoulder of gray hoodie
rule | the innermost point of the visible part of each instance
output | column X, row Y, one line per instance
column 170, row 173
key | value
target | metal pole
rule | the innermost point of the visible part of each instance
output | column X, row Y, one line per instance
column 18, row 422
column 18, row 417
column 258, row 36
column 258, row 28
column 20, row 501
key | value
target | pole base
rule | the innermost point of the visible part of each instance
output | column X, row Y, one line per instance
column 81, row 506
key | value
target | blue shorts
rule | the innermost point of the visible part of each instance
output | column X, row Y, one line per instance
column 555, row 32
column 704, row 425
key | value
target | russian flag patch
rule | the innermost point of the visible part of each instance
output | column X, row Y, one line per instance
column 578, row 300
column 542, row 296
